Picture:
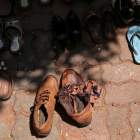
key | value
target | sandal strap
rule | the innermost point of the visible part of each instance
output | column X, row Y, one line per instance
column 132, row 39
column 13, row 23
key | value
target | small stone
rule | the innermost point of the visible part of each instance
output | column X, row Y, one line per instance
column 10, row 136
column 66, row 134
column 84, row 135
column 139, row 130
column 121, row 132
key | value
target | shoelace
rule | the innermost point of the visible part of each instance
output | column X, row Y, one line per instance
column 44, row 96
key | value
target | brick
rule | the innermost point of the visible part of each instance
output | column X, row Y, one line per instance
column 122, row 94
column 116, row 122
column 134, row 119
column 120, row 73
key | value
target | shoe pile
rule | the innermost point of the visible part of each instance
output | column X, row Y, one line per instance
column 75, row 97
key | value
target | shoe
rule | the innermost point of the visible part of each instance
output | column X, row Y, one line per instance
column 8, row 69
column 13, row 30
column 24, row 4
column 44, row 2
column 1, row 34
column 110, row 21
column 93, row 24
column 6, row 7
column 60, row 32
column 125, row 8
column 71, row 97
column 74, row 27
column 44, row 106
column 68, row 1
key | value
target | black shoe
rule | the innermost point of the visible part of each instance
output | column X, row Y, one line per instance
column 74, row 27
column 60, row 32
column 125, row 8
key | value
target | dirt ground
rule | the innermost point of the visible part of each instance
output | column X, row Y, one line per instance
column 115, row 116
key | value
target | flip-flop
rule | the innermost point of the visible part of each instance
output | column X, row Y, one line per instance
column 1, row 33
column 13, row 31
column 24, row 4
column 5, row 7
column 8, row 68
column 133, row 37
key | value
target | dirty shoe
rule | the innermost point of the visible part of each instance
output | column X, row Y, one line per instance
column 44, row 106
column 72, row 97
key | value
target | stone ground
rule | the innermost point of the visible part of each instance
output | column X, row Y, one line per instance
column 115, row 116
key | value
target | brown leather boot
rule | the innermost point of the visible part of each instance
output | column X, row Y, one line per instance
column 44, row 106
column 71, row 96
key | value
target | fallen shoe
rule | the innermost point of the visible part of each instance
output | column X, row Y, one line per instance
column 44, row 106
column 93, row 24
column 133, row 38
column 13, row 30
column 8, row 69
column 5, row 7
column 74, row 97
column 1, row 33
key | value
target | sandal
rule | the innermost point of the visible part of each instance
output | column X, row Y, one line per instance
column 13, row 31
column 8, row 68
column 44, row 2
column 24, row 4
column 1, row 33
column 110, row 20
column 93, row 24
column 5, row 7
column 125, row 8
column 133, row 37
column 137, row 2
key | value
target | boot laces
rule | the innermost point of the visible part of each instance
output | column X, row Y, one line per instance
column 44, row 96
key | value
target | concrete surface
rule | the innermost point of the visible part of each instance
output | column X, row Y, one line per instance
column 116, row 116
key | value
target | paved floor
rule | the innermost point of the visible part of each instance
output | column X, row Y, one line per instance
column 116, row 116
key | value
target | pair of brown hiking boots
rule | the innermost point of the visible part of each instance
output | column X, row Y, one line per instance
column 75, row 96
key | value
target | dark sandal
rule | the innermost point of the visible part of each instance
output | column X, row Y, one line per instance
column 8, row 69
column 5, row 7
column 1, row 33
column 13, row 31
column 125, row 9
column 93, row 24
column 110, row 20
